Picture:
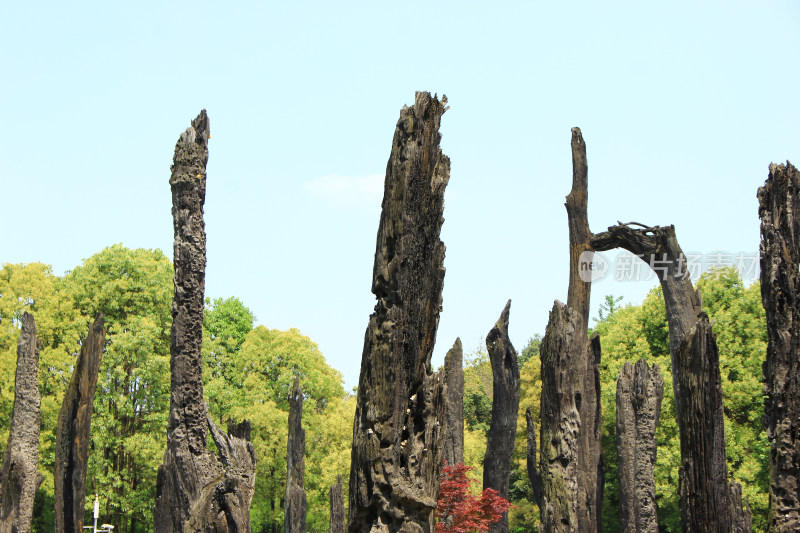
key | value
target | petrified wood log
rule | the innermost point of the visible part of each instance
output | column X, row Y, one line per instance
column 73, row 432
column 337, row 507
column 779, row 209
column 571, row 469
column 454, row 396
column 706, row 496
column 397, row 433
column 18, row 477
column 197, row 490
column 570, row 375
column 505, row 404
column 640, row 390
column 295, row 502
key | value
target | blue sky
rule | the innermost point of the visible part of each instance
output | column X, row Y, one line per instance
column 683, row 105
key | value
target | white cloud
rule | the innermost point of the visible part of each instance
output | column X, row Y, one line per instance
column 348, row 191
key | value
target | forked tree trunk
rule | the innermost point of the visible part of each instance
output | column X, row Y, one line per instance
column 295, row 502
column 571, row 469
column 19, row 479
column 505, row 405
column 779, row 209
column 706, row 497
column 196, row 490
column 454, row 395
column 73, row 433
column 337, row 507
column 397, row 434
column 640, row 390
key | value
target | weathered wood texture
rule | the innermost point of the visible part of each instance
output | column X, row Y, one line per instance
column 779, row 209
column 197, row 490
column 295, row 502
column 640, row 390
column 454, row 396
column 707, row 502
column 73, row 432
column 571, row 469
column 397, row 435
column 505, row 405
column 337, row 507
column 18, row 476
column 570, row 464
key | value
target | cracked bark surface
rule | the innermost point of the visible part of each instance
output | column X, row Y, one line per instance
column 454, row 395
column 295, row 502
column 19, row 479
column 707, row 498
column 197, row 490
column 337, row 524
column 570, row 469
column 779, row 209
column 73, row 432
column 397, row 435
column 640, row 390
column 505, row 404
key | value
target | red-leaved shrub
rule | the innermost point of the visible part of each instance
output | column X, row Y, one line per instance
column 459, row 511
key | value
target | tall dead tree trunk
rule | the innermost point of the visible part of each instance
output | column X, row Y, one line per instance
column 571, row 468
column 295, row 502
column 397, row 438
column 779, row 209
column 454, row 395
column 534, row 476
column 640, row 390
column 505, row 405
column 197, row 490
column 706, row 496
column 73, row 433
column 19, row 479
column 337, row 507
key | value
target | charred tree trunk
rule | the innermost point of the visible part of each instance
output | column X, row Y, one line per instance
column 454, row 395
column 19, row 479
column 397, row 438
column 505, row 405
column 706, row 496
column 196, row 490
column 640, row 390
column 779, row 209
column 571, row 467
column 73, row 433
column 337, row 507
column 295, row 503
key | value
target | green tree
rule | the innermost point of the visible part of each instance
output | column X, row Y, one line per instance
column 133, row 288
column 634, row 332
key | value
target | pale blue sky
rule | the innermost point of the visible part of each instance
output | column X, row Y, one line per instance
column 683, row 105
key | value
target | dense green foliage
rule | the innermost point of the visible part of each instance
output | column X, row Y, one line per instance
column 247, row 373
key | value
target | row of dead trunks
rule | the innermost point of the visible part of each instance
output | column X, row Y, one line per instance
column 400, row 399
